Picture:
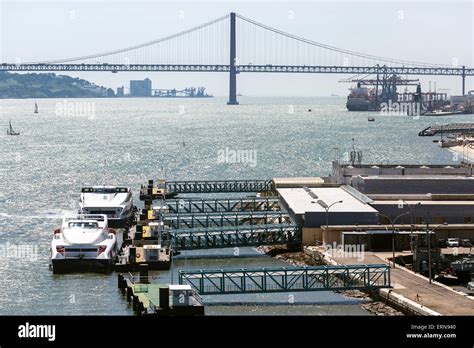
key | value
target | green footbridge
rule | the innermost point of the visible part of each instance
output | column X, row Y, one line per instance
column 193, row 206
column 233, row 236
column 208, row 220
column 287, row 279
column 171, row 188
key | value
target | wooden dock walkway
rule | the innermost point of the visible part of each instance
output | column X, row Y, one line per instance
column 447, row 128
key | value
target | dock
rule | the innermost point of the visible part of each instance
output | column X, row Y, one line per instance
column 135, row 251
column 411, row 292
column 159, row 299
column 447, row 128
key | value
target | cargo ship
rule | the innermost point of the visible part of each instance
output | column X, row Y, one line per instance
column 381, row 94
column 361, row 99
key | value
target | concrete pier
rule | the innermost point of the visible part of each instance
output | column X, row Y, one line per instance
column 411, row 292
column 154, row 299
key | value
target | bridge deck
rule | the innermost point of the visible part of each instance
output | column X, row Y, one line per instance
column 255, row 280
column 254, row 68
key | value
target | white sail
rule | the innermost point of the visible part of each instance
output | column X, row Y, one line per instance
column 10, row 130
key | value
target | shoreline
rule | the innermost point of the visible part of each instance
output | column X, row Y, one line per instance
column 465, row 152
column 309, row 258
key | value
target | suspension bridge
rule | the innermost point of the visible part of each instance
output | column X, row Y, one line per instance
column 236, row 44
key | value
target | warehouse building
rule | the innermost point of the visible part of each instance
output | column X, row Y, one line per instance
column 319, row 206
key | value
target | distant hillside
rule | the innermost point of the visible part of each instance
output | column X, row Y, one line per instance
column 48, row 86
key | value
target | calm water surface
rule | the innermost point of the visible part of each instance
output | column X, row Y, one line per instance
column 66, row 146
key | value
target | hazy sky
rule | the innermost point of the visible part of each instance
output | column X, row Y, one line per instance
column 438, row 32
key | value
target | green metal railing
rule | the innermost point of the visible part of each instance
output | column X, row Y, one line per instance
column 215, row 186
column 206, row 220
column 192, row 206
column 262, row 280
column 233, row 236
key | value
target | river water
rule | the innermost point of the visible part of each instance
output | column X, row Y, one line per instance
column 76, row 142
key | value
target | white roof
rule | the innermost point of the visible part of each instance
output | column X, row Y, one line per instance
column 96, row 199
column 178, row 287
column 415, row 177
column 308, row 181
column 424, row 202
column 101, row 219
column 300, row 201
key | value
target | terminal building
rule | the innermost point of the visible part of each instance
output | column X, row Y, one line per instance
column 323, row 206
column 377, row 199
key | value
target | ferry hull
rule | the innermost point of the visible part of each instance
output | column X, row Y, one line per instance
column 82, row 265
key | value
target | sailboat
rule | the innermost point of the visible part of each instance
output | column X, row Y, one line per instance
column 36, row 107
column 10, row 130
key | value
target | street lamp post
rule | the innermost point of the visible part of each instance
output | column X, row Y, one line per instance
column 327, row 207
column 392, row 222
column 411, row 208
column 429, row 245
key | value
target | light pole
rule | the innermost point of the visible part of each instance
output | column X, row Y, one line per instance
column 392, row 222
column 428, row 237
column 327, row 207
column 411, row 208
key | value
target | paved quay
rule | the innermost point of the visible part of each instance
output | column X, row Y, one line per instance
column 415, row 288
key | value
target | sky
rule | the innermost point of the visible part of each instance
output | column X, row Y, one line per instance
column 439, row 32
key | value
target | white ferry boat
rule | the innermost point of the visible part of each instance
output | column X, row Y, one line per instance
column 113, row 201
column 83, row 242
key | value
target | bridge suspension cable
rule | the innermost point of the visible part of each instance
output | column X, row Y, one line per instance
column 292, row 48
column 134, row 48
column 259, row 48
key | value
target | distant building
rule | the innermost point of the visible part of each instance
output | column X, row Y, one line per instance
column 120, row 91
column 140, row 88
column 464, row 103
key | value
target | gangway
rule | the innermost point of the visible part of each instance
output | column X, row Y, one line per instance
column 178, row 221
column 287, row 279
column 233, row 236
column 191, row 206
column 172, row 188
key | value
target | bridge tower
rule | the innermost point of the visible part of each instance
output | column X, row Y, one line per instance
column 233, row 69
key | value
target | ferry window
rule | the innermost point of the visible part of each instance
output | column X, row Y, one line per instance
column 80, row 224
column 102, row 190
column 467, row 219
column 439, row 220
column 418, row 220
